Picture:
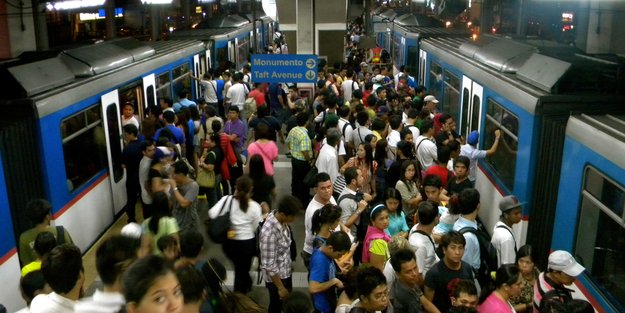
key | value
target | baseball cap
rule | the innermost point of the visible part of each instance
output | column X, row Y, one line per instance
column 378, row 78
column 132, row 230
column 430, row 99
column 563, row 261
column 162, row 152
column 508, row 203
column 473, row 137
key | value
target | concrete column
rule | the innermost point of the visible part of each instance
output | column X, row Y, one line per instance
column 39, row 22
column 305, row 27
column 111, row 28
column 155, row 22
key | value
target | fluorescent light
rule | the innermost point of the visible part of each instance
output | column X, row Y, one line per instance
column 73, row 4
column 156, row 1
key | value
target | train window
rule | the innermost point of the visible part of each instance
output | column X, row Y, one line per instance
column 84, row 146
column 242, row 52
column 436, row 73
column 163, row 89
column 150, row 92
column 221, row 57
column 181, row 79
column 503, row 162
column 412, row 59
column 465, row 107
column 396, row 50
column 600, row 238
column 451, row 94
column 112, row 118
column 132, row 93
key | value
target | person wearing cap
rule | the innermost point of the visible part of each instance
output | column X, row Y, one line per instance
column 430, row 103
column 562, row 270
column 471, row 151
column 503, row 236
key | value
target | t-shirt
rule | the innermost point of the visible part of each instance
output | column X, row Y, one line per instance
column 493, row 304
column 210, row 91
column 396, row 224
column 166, row 227
column 407, row 300
column 27, row 243
column 215, row 157
column 425, row 251
column 268, row 152
column 454, row 187
column 187, row 218
column 473, row 153
column 439, row 276
column 442, row 172
column 236, row 93
column 259, row 97
column 322, row 269
column 380, row 247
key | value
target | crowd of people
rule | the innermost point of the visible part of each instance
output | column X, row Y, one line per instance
column 388, row 203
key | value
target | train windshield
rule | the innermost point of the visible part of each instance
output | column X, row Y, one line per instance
column 600, row 238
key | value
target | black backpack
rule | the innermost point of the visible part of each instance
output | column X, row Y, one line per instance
column 361, row 228
column 488, row 255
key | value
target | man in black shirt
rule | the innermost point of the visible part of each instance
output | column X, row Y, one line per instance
column 131, row 157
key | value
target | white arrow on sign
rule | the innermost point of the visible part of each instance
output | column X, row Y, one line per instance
column 310, row 63
column 310, row 75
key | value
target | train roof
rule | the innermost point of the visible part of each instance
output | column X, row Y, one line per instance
column 542, row 65
column 205, row 34
column 421, row 32
column 224, row 21
column 415, row 19
column 604, row 134
column 115, row 61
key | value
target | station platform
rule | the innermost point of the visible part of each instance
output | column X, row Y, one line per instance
column 259, row 293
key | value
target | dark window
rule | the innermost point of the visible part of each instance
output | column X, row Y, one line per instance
column 243, row 50
column 112, row 121
column 84, row 146
column 600, row 238
column 412, row 59
column 150, row 92
column 451, row 94
column 221, row 57
column 503, row 162
column 181, row 79
column 465, row 112
column 163, row 85
column 436, row 75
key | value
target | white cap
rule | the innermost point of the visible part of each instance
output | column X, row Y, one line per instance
column 430, row 99
column 378, row 78
column 563, row 261
column 132, row 230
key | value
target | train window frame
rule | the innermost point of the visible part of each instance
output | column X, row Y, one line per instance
column 434, row 77
column 163, row 86
column 503, row 161
column 80, row 141
column 447, row 102
column 181, row 79
column 594, row 214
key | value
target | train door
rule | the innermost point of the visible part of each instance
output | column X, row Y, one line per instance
column 149, row 93
column 209, row 63
column 423, row 56
column 232, row 50
column 471, row 106
column 114, row 144
column 197, row 73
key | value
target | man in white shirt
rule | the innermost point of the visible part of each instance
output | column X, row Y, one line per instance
column 425, row 145
column 348, row 86
column 346, row 129
column 323, row 196
column 327, row 161
column 360, row 133
column 503, row 236
column 421, row 237
column 394, row 136
column 148, row 149
column 237, row 92
column 471, row 151
column 209, row 88
column 62, row 269
column 112, row 252
column 430, row 103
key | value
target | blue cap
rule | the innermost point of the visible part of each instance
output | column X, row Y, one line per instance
column 473, row 138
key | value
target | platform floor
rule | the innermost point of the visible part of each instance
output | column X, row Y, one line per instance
column 259, row 293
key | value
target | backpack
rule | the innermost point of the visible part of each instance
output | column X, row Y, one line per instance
column 250, row 105
column 361, row 228
column 554, row 298
column 488, row 255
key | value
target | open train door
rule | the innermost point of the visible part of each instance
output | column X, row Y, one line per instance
column 197, row 73
column 149, row 93
column 114, row 145
column 471, row 106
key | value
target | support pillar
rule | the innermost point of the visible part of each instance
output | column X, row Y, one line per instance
column 305, row 26
column 41, row 27
column 111, row 29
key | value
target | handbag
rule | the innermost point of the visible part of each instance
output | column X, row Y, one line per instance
column 206, row 178
column 309, row 179
column 192, row 173
column 219, row 226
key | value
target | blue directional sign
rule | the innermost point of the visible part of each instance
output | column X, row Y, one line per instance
column 284, row 68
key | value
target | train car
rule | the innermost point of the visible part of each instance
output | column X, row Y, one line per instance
column 406, row 39
column 60, row 135
column 265, row 29
column 381, row 24
column 590, row 209
column 527, row 89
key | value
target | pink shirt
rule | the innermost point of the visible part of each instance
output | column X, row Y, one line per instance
column 492, row 304
column 268, row 151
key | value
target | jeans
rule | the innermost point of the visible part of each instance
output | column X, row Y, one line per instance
column 275, row 304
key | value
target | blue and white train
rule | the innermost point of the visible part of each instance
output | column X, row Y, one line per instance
column 590, row 210
column 527, row 89
column 60, row 134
